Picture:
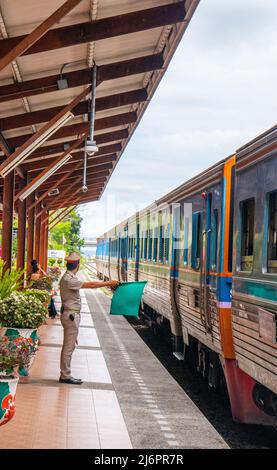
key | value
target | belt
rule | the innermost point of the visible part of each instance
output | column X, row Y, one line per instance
column 65, row 309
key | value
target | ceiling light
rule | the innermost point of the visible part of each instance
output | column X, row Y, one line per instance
column 54, row 192
column 43, row 177
column 91, row 147
column 18, row 156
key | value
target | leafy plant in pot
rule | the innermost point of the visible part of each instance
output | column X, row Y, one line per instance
column 44, row 283
column 10, row 280
column 20, row 317
column 14, row 354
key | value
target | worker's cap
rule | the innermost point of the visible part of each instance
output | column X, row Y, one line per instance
column 73, row 257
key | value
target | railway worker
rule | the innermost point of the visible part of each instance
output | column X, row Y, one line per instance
column 70, row 287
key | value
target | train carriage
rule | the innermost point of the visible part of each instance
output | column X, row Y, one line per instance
column 208, row 250
column 155, row 266
column 202, row 279
column 254, row 288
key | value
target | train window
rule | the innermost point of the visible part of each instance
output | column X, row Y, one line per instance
column 141, row 245
column 272, row 233
column 167, row 239
column 247, row 210
column 196, row 240
column 161, row 244
column 214, row 240
column 155, row 244
column 186, row 240
column 150, row 245
column 145, row 245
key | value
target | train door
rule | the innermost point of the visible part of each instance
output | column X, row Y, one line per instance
column 208, row 262
column 176, row 250
column 137, row 248
column 109, row 258
column 123, row 255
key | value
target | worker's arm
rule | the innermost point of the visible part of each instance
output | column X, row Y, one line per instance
column 96, row 284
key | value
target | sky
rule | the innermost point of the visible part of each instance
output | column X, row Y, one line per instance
column 218, row 93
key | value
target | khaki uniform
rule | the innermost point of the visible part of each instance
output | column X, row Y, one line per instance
column 71, row 302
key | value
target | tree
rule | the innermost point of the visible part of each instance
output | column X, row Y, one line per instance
column 69, row 228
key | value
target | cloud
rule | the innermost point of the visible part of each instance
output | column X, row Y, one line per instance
column 218, row 93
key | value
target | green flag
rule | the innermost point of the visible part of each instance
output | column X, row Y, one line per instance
column 126, row 299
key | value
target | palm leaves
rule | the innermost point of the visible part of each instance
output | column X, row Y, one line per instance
column 10, row 280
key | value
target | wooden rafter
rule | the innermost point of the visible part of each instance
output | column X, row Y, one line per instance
column 102, row 29
column 55, row 185
column 101, row 139
column 81, row 77
column 81, row 128
column 68, row 210
column 43, row 115
column 27, row 41
column 34, row 166
column 51, row 166
column 44, row 128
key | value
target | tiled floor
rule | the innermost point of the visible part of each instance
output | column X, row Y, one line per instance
column 51, row 415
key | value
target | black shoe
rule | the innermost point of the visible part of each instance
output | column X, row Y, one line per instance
column 71, row 381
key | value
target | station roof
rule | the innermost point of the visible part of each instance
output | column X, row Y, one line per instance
column 131, row 43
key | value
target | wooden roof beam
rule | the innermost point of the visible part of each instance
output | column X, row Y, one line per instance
column 33, row 184
column 11, row 160
column 28, row 41
column 44, row 115
column 104, row 28
column 65, row 185
column 59, row 148
column 68, row 210
column 81, row 128
column 81, row 77
column 44, row 195
column 34, row 166
column 98, row 172
column 97, row 179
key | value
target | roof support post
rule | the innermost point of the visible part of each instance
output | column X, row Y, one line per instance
column 45, row 259
column 37, row 230
column 7, row 226
column 42, row 240
column 21, row 232
column 30, row 231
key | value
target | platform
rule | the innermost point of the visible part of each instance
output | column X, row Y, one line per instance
column 128, row 399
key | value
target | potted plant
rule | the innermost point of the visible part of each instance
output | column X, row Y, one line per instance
column 10, row 280
column 41, row 295
column 55, row 273
column 13, row 355
column 44, row 283
column 20, row 317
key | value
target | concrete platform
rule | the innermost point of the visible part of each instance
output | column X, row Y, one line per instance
column 127, row 399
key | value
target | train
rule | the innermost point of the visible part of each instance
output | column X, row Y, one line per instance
column 208, row 250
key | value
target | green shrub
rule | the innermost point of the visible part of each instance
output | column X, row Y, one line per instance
column 10, row 280
column 44, row 283
column 41, row 295
column 22, row 311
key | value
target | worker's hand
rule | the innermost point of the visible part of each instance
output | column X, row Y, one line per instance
column 114, row 283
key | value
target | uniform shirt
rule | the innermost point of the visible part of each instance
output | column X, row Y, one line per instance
column 70, row 291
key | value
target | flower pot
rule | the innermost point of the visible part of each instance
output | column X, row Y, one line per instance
column 7, row 398
column 31, row 334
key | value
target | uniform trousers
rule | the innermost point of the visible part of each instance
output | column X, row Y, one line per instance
column 70, row 334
